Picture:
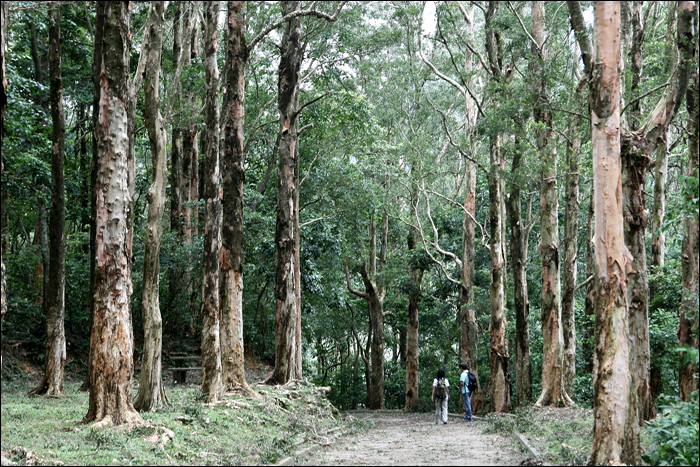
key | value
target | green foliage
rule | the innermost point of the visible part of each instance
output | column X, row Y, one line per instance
column 673, row 436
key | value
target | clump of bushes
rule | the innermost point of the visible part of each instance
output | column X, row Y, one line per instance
column 673, row 436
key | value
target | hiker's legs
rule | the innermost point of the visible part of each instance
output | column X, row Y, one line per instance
column 444, row 410
column 438, row 410
column 467, row 398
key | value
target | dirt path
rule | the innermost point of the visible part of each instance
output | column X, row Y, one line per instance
column 414, row 439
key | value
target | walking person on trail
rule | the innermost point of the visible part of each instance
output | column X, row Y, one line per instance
column 467, row 384
column 441, row 394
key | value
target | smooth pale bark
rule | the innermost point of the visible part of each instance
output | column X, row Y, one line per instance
column 570, row 255
column 688, row 326
column 111, row 338
column 55, row 356
column 4, row 16
column 518, row 250
column 233, row 175
column 415, row 274
column 151, row 395
column 615, row 429
column 212, row 388
column 553, row 393
column 658, row 238
column 286, row 309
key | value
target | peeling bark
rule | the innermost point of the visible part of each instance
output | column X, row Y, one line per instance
column 151, row 395
column 233, row 175
column 412, row 364
column 212, row 388
column 286, row 307
column 690, row 251
column 553, row 392
column 52, row 382
column 499, row 376
column 570, row 256
column 518, row 248
column 615, row 430
column 111, row 337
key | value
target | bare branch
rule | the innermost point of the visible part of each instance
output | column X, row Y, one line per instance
column 294, row 14
column 584, row 283
column 364, row 295
column 532, row 39
column 646, row 94
column 322, row 217
column 296, row 114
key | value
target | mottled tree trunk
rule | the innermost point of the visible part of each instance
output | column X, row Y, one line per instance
column 415, row 276
column 285, row 269
column 469, row 333
column 568, row 320
column 518, row 250
column 499, row 376
column 111, row 338
column 96, row 82
column 55, row 287
column 688, row 327
column 212, row 387
column 151, row 393
column 176, row 141
column 233, row 176
column 615, row 430
column 553, row 393
column 658, row 238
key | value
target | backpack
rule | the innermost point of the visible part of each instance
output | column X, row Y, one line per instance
column 441, row 389
column 471, row 385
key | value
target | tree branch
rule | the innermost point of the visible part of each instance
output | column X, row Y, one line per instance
column 294, row 14
column 364, row 295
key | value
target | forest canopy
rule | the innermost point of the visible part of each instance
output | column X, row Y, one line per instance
column 356, row 194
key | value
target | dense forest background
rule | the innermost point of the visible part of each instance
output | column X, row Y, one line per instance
column 443, row 162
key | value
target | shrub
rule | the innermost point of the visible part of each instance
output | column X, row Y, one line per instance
column 673, row 436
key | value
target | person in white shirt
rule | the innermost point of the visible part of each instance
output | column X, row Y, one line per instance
column 440, row 394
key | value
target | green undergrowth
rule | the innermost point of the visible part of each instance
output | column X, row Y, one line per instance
column 560, row 436
column 241, row 430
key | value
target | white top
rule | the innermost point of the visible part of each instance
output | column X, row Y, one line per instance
column 447, row 383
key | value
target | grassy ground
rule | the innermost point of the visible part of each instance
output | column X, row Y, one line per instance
column 560, row 436
column 240, row 431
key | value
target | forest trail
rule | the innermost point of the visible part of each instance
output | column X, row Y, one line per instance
column 415, row 439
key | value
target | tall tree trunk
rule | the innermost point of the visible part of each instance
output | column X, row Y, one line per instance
column 4, row 16
column 467, row 313
column 232, row 246
column 415, row 276
column 285, row 269
column 151, row 393
column 688, row 326
column 636, row 150
column 55, row 291
column 553, row 393
column 499, row 376
column 175, row 276
column 570, row 256
column 212, row 387
column 518, row 251
column 469, row 333
column 111, row 338
column 96, row 82
column 658, row 239
column 615, row 429
column 176, row 137
column 374, row 293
